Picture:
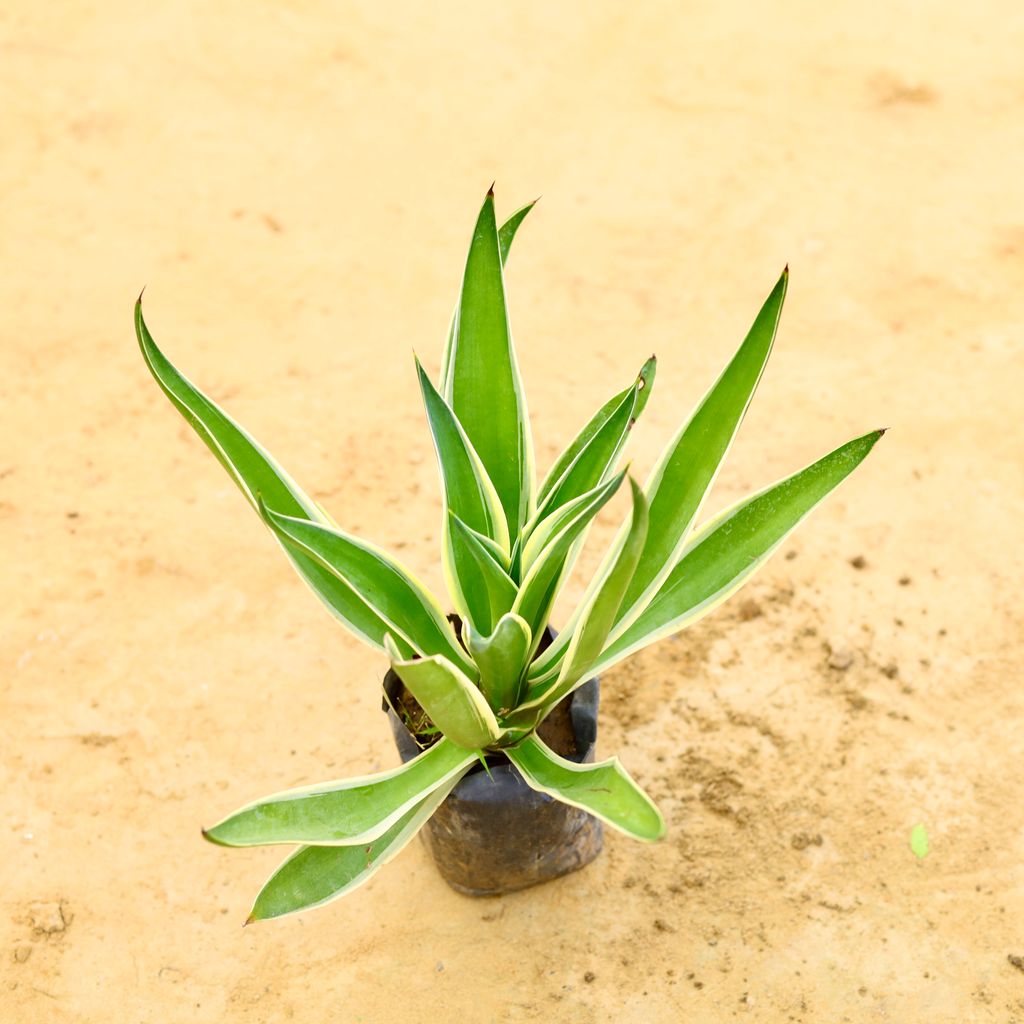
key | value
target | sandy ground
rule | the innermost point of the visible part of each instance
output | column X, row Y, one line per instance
column 296, row 183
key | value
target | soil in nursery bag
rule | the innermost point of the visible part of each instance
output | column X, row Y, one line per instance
column 494, row 834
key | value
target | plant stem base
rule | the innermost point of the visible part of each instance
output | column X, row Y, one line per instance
column 494, row 834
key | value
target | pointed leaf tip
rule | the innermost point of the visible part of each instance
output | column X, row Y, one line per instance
column 490, row 191
column 138, row 301
column 391, row 648
column 315, row 876
column 689, row 464
column 724, row 553
column 604, row 789
column 205, row 832
column 493, row 417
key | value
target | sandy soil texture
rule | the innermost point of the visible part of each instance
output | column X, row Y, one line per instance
column 296, row 183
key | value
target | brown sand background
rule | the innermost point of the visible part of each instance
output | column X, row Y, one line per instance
column 296, row 183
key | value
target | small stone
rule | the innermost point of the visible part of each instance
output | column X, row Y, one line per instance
column 720, row 793
column 589, row 977
column 801, row 840
column 904, row 581
column 1016, row 961
column 662, row 925
column 840, row 658
column 749, row 609
column 48, row 918
column 891, row 671
column 22, row 953
column 859, row 562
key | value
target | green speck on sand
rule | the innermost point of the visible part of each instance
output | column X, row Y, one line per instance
column 919, row 841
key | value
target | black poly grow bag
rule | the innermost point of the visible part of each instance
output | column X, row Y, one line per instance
column 493, row 833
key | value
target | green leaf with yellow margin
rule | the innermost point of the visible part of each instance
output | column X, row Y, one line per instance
column 501, row 660
column 381, row 581
column 605, row 789
column 536, row 593
column 314, row 876
column 485, row 590
column 688, row 467
column 589, row 629
column 257, row 474
column 344, row 812
column 451, row 699
column 730, row 548
column 506, row 233
column 484, row 388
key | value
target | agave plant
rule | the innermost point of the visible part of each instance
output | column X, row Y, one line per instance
column 482, row 676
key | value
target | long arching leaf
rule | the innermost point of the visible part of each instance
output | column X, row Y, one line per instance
column 605, row 789
column 467, row 488
column 553, row 525
column 380, row 580
column 592, row 455
column 256, row 473
column 345, row 812
column 481, row 588
column 316, row 875
column 588, row 630
column 537, row 592
column 688, row 467
column 506, row 233
column 729, row 549
column 484, row 387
